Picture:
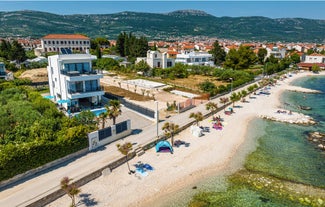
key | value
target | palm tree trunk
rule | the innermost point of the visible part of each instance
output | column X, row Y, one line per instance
column 114, row 120
column 103, row 123
column 127, row 162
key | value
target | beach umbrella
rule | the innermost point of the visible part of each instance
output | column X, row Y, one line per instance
column 62, row 101
column 48, row 97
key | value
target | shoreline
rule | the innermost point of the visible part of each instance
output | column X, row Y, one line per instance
column 188, row 165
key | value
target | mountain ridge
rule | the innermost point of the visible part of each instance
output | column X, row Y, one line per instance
column 155, row 26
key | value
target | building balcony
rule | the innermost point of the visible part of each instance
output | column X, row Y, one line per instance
column 84, row 94
column 81, row 91
column 77, row 73
column 77, row 76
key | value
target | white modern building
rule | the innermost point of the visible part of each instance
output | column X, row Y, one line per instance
column 74, row 42
column 276, row 52
column 3, row 74
column 195, row 58
column 315, row 58
column 156, row 59
column 73, row 83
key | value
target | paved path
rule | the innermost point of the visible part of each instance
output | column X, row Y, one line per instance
column 35, row 188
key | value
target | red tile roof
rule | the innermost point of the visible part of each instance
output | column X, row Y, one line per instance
column 316, row 54
column 310, row 64
column 65, row 36
column 171, row 52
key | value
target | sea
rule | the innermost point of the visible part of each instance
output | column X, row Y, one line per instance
column 275, row 157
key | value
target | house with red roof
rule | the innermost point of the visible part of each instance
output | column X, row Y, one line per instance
column 313, row 59
column 74, row 42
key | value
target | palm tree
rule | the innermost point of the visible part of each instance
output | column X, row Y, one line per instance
column 243, row 94
column 170, row 129
column 211, row 106
column 235, row 97
column 250, row 90
column 125, row 149
column 113, row 110
column 70, row 189
column 102, row 117
column 197, row 116
column 224, row 100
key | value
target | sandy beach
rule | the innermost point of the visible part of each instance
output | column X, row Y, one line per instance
column 202, row 157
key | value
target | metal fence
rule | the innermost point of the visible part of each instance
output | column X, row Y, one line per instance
column 104, row 133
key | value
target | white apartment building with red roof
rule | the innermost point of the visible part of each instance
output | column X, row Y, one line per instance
column 74, row 42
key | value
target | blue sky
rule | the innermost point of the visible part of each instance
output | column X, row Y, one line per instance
column 272, row 9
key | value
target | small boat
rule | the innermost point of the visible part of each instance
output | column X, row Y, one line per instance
column 304, row 107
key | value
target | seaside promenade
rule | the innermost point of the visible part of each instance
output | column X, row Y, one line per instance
column 230, row 139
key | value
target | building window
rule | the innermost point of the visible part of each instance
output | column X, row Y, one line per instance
column 44, row 42
column 53, row 42
column 57, row 42
column 73, row 42
column 84, row 42
column 169, row 64
column 65, row 42
column 61, row 42
column 69, row 42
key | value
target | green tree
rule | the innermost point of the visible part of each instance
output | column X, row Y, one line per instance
column 142, row 66
column 17, row 52
column 315, row 68
column 208, row 87
column 170, row 129
column 250, row 89
column 101, row 41
column 240, row 59
column 310, row 51
column 125, row 149
column 232, row 59
column 295, row 58
column 243, row 94
column 219, row 55
column 102, row 118
column 98, row 52
column 121, row 44
column 198, row 116
column 70, row 189
column 261, row 54
column 86, row 118
column 234, row 97
column 106, row 64
column 211, row 106
column 114, row 110
column 224, row 100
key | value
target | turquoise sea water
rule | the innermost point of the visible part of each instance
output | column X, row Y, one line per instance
column 277, row 150
column 284, row 150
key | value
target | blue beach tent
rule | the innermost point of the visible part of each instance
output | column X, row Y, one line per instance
column 164, row 146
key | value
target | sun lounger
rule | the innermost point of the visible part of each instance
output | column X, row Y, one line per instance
column 148, row 167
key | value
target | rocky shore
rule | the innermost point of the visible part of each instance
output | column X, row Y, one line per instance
column 290, row 117
column 318, row 139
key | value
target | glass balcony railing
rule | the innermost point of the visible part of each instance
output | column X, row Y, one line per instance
column 71, row 91
column 77, row 73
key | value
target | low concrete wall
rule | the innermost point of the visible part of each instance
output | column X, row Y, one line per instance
column 94, row 141
column 4, row 184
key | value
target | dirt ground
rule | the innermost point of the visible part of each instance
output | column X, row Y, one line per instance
column 155, row 94
column 35, row 75
column 192, row 81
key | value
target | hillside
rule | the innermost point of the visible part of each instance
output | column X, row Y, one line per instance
column 163, row 26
